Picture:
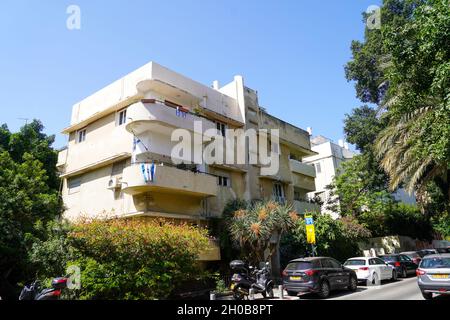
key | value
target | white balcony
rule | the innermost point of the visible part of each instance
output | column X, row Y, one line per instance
column 169, row 180
column 302, row 168
column 158, row 117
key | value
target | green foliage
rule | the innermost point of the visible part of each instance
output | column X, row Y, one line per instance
column 28, row 199
column 135, row 259
column 335, row 238
column 441, row 225
column 50, row 253
column 252, row 228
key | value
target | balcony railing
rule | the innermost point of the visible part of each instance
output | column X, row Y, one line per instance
column 138, row 178
column 163, row 117
column 302, row 168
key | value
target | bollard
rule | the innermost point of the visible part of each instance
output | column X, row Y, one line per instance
column 212, row 296
column 251, row 294
column 280, row 288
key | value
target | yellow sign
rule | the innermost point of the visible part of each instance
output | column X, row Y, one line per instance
column 310, row 234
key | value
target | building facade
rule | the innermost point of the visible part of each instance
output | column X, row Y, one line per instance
column 326, row 163
column 119, row 159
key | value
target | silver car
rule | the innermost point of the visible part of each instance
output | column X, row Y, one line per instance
column 433, row 275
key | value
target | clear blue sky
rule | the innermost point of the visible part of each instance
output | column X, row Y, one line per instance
column 292, row 52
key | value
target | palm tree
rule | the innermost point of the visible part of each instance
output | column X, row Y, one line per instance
column 258, row 229
column 398, row 146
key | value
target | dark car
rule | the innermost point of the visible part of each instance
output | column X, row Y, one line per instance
column 402, row 263
column 425, row 252
column 413, row 255
column 443, row 250
column 318, row 275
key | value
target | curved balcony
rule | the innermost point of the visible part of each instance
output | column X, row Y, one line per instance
column 169, row 180
column 158, row 117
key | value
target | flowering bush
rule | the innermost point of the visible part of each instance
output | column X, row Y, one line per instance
column 135, row 259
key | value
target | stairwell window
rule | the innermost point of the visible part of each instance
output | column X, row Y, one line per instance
column 221, row 127
column 74, row 184
column 223, row 181
column 81, row 135
column 121, row 117
column 318, row 168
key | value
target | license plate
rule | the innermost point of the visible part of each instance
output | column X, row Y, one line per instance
column 232, row 286
column 440, row 276
column 296, row 278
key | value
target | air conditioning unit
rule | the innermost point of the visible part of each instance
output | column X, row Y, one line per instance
column 114, row 183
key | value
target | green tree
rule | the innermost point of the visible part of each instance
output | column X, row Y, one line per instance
column 28, row 198
column 253, row 228
column 415, row 147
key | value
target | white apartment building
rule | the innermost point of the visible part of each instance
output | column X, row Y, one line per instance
column 119, row 155
column 326, row 163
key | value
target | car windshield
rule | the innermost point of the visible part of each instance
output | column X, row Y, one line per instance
column 389, row 258
column 299, row 265
column 431, row 263
column 355, row 262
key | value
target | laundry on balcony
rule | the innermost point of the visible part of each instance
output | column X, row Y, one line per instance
column 148, row 172
column 180, row 112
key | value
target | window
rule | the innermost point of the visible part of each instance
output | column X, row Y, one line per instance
column 74, row 184
column 81, row 135
column 326, row 263
column 221, row 127
column 335, row 264
column 118, row 167
column 121, row 117
column 275, row 147
column 380, row 261
column 278, row 192
column 373, row 262
column 223, row 181
column 318, row 168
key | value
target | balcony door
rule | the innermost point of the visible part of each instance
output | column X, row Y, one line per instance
column 278, row 192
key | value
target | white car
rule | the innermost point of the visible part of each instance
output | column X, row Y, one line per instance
column 371, row 270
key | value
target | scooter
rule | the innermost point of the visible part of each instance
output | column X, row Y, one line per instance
column 247, row 278
column 34, row 292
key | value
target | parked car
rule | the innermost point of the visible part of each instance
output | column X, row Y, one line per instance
column 413, row 255
column 318, row 275
column 433, row 275
column 425, row 252
column 403, row 264
column 443, row 250
column 371, row 270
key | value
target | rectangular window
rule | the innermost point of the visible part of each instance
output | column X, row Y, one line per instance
column 81, row 135
column 74, row 184
column 118, row 167
column 278, row 192
column 221, row 127
column 223, row 181
column 318, row 168
column 121, row 117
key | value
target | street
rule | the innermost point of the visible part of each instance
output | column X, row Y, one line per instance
column 402, row 289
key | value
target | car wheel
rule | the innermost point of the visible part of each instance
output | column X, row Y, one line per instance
column 324, row 290
column 394, row 275
column 404, row 273
column 292, row 293
column 427, row 295
column 353, row 284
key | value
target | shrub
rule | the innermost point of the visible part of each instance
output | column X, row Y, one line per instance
column 334, row 238
column 135, row 259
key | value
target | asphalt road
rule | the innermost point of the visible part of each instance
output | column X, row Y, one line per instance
column 402, row 289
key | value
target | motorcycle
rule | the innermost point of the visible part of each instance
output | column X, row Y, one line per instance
column 34, row 292
column 247, row 277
